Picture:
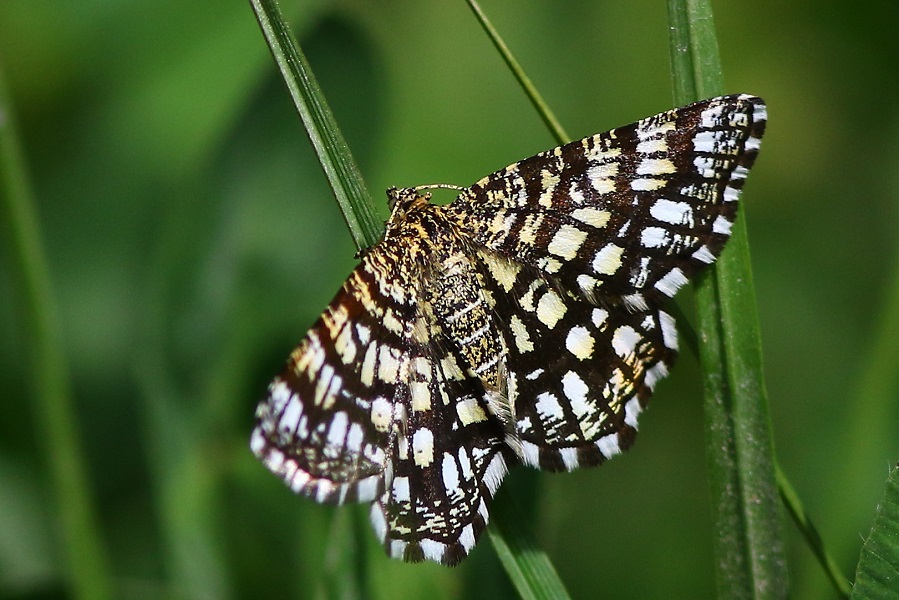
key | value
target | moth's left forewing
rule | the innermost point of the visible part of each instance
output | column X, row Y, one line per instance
column 329, row 421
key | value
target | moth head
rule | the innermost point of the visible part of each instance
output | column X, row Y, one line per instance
column 400, row 199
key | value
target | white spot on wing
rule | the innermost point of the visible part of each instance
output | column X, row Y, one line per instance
column 671, row 282
column 421, row 396
column 676, row 213
column 354, row 438
column 397, row 548
column 388, row 364
column 655, row 166
column 567, row 241
column 631, row 411
column 520, row 334
column 602, row 177
column 608, row 445
column 470, row 411
column 654, row 237
column 367, row 489
column 703, row 254
column 669, row 330
column 654, row 374
column 367, row 373
column 379, row 522
column 576, row 391
column 465, row 463
column 722, row 225
column 423, row 447
column 494, row 473
column 731, row 194
column 608, row 259
column 647, row 185
column 548, row 407
column 290, row 418
column 550, row 308
column 381, row 413
column 530, row 454
column 569, row 458
column 592, row 216
column 624, row 341
column 466, row 538
column 432, row 549
column 450, row 474
column 579, row 342
column 338, row 429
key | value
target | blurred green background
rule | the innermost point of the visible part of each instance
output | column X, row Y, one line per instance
column 192, row 240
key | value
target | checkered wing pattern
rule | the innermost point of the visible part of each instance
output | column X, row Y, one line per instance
column 523, row 322
column 378, row 404
column 449, row 463
column 330, row 419
column 582, row 244
column 625, row 216
column 578, row 374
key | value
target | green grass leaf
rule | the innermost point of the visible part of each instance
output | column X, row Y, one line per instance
column 528, row 566
column 811, row 535
column 749, row 542
column 878, row 568
column 333, row 153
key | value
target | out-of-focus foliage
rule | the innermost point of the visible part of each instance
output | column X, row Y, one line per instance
column 192, row 241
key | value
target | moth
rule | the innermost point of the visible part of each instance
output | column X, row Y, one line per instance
column 522, row 323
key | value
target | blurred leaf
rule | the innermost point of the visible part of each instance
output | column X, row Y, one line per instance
column 26, row 531
column 878, row 568
column 85, row 555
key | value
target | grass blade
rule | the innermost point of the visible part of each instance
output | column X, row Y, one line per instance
column 811, row 535
column 83, row 550
column 341, row 576
column 749, row 544
column 552, row 123
column 333, row 153
column 528, row 567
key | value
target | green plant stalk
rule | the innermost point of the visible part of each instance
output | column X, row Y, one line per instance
column 354, row 201
column 749, row 539
column 810, row 532
column 528, row 566
column 86, row 563
column 333, row 153
column 549, row 119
